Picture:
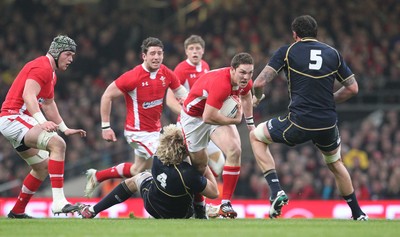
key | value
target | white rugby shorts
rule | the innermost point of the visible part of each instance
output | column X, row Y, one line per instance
column 144, row 143
column 14, row 127
column 196, row 132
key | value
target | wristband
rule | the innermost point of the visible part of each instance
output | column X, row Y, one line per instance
column 62, row 127
column 250, row 121
column 105, row 125
column 39, row 117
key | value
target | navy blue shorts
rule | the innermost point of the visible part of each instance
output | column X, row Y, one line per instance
column 282, row 130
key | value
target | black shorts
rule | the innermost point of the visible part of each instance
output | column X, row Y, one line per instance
column 154, row 204
column 282, row 130
column 144, row 192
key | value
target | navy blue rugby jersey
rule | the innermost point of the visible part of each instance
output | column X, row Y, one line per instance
column 173, row 188
column 311, row 68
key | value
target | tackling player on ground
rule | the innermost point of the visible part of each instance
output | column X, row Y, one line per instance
column 168, row 190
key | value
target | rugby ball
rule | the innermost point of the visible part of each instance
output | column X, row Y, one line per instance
column 229, row 107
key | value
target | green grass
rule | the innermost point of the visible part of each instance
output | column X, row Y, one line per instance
column 190, row 228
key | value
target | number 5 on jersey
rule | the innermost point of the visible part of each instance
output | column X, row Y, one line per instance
column 316, row 59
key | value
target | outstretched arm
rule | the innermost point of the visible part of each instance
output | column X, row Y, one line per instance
column 50, row 109
column 266, row 75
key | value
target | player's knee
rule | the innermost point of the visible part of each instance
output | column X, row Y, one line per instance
column 259, row 134
column 216, row 163
column 50, row 141
column 329, row 159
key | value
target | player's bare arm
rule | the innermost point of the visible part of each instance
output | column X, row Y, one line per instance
column 172, row 102
column 348, row 90
column 31, row 90
column 50, row 108
column 175, row 98
column 109, row 95
column 247, row 104
column 211, row 115
column 211, row 190
column 266, row 75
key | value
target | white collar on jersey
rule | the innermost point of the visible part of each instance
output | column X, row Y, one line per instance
column 198, row 66
column 152, row 74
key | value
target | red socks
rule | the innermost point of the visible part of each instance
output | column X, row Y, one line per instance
column 29, row 187
column 122, row 170
column 56, row 173
column 230, row 177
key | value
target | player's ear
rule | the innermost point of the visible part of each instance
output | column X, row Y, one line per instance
column 294, row 35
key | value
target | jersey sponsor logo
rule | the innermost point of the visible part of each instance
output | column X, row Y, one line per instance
column 145, row 83
column 192, row 75
column 151, row 104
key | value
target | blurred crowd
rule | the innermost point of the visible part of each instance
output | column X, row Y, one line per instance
column 109, row 34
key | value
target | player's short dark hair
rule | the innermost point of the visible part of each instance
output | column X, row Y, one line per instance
column 151, row 42
column 305, row 26
column 194, row 39
column 241, row 58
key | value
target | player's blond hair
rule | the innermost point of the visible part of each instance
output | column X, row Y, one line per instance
column 172, row 149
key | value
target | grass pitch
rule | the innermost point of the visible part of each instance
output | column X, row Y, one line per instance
column 73, row 227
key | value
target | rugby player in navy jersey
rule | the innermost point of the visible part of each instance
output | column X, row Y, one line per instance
column 311, row 68
column 168, row 190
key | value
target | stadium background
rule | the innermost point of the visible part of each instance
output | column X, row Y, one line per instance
column 109, row 34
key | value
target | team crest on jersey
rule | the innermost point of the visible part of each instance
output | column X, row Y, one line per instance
column 162, row 78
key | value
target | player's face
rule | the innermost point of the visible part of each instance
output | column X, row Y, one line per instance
column 65, row 59
column 194, row 53
column 153, row 58
column 242, row 75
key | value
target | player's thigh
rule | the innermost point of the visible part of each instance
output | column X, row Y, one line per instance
column 328, row 141
column 281, row 130
column 227, row 138
column 212, row 148
column 197, row 133
column 141, row 164
column 15, row 128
